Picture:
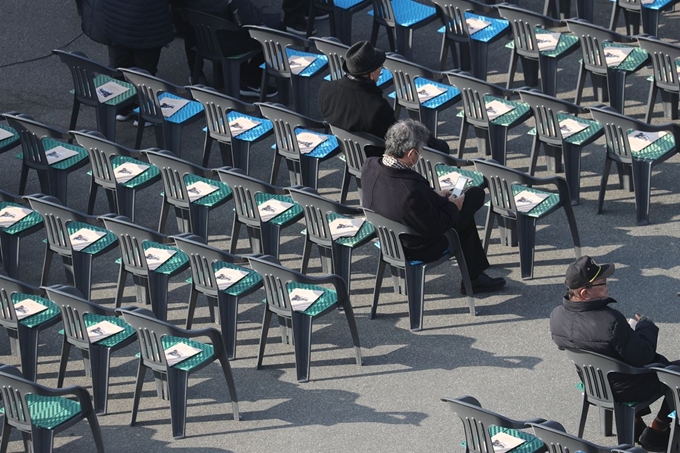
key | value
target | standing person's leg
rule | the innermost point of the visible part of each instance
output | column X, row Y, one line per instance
column 294, row 16
column 148, row 59
column 122, row 57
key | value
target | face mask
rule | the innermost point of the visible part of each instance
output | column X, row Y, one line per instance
column 413, row 164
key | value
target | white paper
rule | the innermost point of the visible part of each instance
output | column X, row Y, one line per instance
column 307, row 141
column 429, row 91
column 101, row 330
column 4, row 134
column 155, row 257
column 127, row 171
column 301, row 299
column 547, row 41
column 199, row 189
column 569, row 127
column 241, row 125
column 226, row 277
column 345, row 228
column 271, row 208
column 451, row 181
column 639, row 140
column 614, row 56
column 526, row 201
column 633, row 323
column 28, row 307
column 496, row 108
column 299, row 63
column 179, row 352
column 110, row 90
column 10, row 215
column 170, row 106
column 503, row 442
column 84, row 237
column 59, row 153
column 474, row 25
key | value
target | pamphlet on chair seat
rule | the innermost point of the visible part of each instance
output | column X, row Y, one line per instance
column 127, row 171
column 170, row 106
column 156, row 257
column 614, row 56
column 547, row 41
column 59, row 153
column 5, row 134
column 101, row 330
column 10, row 215
column 569, row 127
column 503, row 442
column 241, row 125
column 179, row 353
column 301, row 299
column 307, row 141
column 345, row 227
column 200, row 189
column 271, row 208
column 298, row 64
column 429, row 91
column 647, row 2
column 110, row 90
column 84, row 237
column 227, row 277
column 526, row 201
column 639, row 140
column 474, row 25
column 455, row 182
column 496, row 108
column 28, row 307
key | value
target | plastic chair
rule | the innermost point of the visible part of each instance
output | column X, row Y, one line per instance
column 105, row 157
column 504, row 184
column 609, row 83
column 40, row 412
column 640, row 163
column 556, row 439
column 482, row 424
column 249, row 193
column 593, row 370
column 88, row 76
column 205, row 262
column 469, row 52
column 208, row 30
column 303, row 169
column 341, row 12
column 335, row 254
column 400, row 18
column 24, row 334
column 525, row 26
column 60, row 224
column 664, row 58
column 278, row 47
column 78, row 315
column 151, row 91
column 37, row 139
column 548, row 112
column 220, row 110
column 635, row 13
column 670, row 377
column 409, row 276
column 584, row 9
column 492, row 135
column 433, row 164
column 178, row 175
column 409, row 79
column 10, row 237
column 10, row 142
column 151, row 285
column 279, row 281
column 172, row 381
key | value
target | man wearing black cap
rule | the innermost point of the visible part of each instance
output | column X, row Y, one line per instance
column 585, row 321
column 354, row 103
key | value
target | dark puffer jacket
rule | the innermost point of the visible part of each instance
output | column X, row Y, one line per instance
column 138, row 24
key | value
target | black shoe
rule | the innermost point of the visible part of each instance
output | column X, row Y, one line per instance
column 640, row 426
column 319, row 15
column 484, row 284
column 248, row 91
column 653, row 440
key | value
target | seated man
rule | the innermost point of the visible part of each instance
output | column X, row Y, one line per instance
column 355, row 104
column 584, row 320
column 394, row 190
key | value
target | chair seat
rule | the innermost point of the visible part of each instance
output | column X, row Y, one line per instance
column 187, row 112
column 580, row 138
column 38, row 318
column 10, row 142
column 634, row 61
column 566, row 43
column 102, row 245
column 323, row 149
column 656, row 149
column 448, row 96
column 657, row 5
column 319, row 63
column 22, row 225
column 365, row 233
column 176, row 264
column 48, row 412
column 207, row 352
column 543, row 208
column 147, row 176
column 325, row 301
column 287, row 217
column 49, row 143
column 92, row 319
column 532, row 445
column 253, row 134
column 495, row 30
column 477, row 177
column 221, row 194
column 102, row 79
column 408, row 13
column 509, row 119
column 246, row 283
column 347, row 4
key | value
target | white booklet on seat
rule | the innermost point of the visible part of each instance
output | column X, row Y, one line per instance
column 10, row 215
column 271, row 208
column 170, row 106
column 301, row 299
column 110, row 90
column 241, row 125
column 298, row 64
column 84, row 238
column 547, row 41
column 156, row 257
column 345, row 228
column 179, row 353
column 200, row 189
column 227, row 277
column 569, row 127
column 307, row 141
column 28, row 307
column 101, row 330
column 455, row 182
column 5, row 134
column 503, row 442
column 639, row 140
column 127, row 171
column 59, row 153
column 526, row 201
column 614, row 56
column 496, row 108
column 474, row 25
column 429, row 91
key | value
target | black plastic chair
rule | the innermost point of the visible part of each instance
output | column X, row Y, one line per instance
column 178, row 176
column 24, row 334
column 37, row 139
column 408, row 275
column 88, row 76
column 60, row 223
column 40, row 412
column 664, row 58
column 78, row 315
column 638, row 163
column 584, row 9
column 670, row 377
column 10, row 236
column 636, row 14
column 504, row 184
column 11, row 141
column 433, row 164
column 340, row 16
column 151, row 284
column 556, row 439
column 220, row 110
column 172, row 381
column 205, row 262
column 548, row 112
column 249, row 193
column 278, row 282
column 105, row 157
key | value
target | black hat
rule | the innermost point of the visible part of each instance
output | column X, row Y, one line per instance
column 363, row 58
column 585, row 270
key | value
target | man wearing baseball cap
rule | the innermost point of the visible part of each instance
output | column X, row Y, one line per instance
column 586, row 321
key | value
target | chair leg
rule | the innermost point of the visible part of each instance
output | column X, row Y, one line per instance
column 511, row 69
column 23, row 180
column 235, row 228
column 140, row 132
column 306, row 252
column 93, row 196
column 535, row 150
column 10, row 245
column 498, row 140
column 606, row 416
column 46, row 266
column 275, row 167
column 207, row 145
column 82, row 272
column 6, row 431
column 374, row 33
column 603, row 184
column 141, row 372
column 378, row 286
column 351, row 322
column 41, row 439
column 642, row 185
column 415, row 293
column 614, row 16
column 302, row 334
column 229, row 377
column 526, row 230
column 651, row 100
column 572, row 170
column 616, row 87
column 548, row 69
column 488, row 227
column 120, row 287
column 444, row 52
column 228, row 310
column 462, row 137
column 163, row 219
column 193, row 297
column 670, row 104
column 585, row 405
column 158, row 292
column 178, row 382
column 346, row 178
column 96, row 431
column 74, row 113
column 65, row 350
column 580, row 83
column 100, row 367
column 266, row 321
column 28, row 351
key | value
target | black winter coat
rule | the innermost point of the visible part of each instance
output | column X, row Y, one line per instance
column 138, row 24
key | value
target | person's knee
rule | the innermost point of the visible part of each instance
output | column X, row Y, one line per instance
column 474, row 198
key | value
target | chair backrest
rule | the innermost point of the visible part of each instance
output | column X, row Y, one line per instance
column 545, row 109
column 670, row 377
column 285, row 123
column 389, row 232
column 101, row 151
column 383, row 13
column 428, row 161
column 217, row 106
column 500, row 180
column 353, row 145
column 31, row 133
column 206, row 29
column 73, row 309
column 150, row 331
column 405, row 73
column 56, row 218
column 274, row 44
column 559, row 441
column 592, row 38
column 335, row 50
column 275, row 277
column 245, row 188
column 148, row 89
column 131, row 238
column 452, row 15
column 9, row 286
column 473, row 91
column 524, row 23
column 14, row 389
column 664, row 56
column 83, row 71
column 173, row 169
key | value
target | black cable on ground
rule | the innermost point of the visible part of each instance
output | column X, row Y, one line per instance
column 42, row 57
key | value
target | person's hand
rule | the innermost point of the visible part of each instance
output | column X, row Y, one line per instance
column 444, row 193
column 458, row 201
column 639, row 317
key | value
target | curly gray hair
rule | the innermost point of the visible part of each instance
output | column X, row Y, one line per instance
column 405, row 135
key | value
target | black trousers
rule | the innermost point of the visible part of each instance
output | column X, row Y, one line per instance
column 125, row 57
column 475, row 257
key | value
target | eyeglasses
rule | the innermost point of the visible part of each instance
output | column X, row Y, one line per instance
column 604, row 283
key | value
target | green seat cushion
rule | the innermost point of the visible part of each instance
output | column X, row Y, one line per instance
column 634, row 61
column 566, row 42
column 147, row 175
column 656, row 149
column 581, row 137
column 512, row 118
column 24, row 224
column 246, row 283
column 544, row 207
column 365, row 232
column 92, row 319
column 48, row 412
column 49, row 143
column 477, row 177
column 287, row 217
column 174, row 264
column 207, row 352
column 326, row 300
column 222, row 193
column 38, row 318
column 9, row 141
column 97, row 246
column 101, row 79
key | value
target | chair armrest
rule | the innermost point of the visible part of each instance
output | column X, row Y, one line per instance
column 547, row 424
column 331, row 279
column 557, row 181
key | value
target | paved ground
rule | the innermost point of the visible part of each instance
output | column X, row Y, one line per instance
column 504, row 356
